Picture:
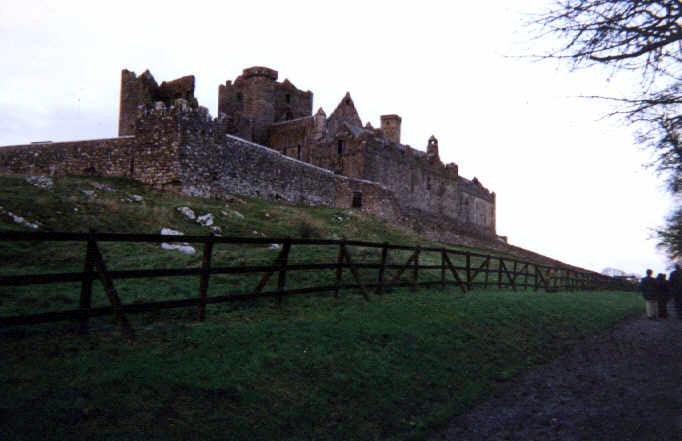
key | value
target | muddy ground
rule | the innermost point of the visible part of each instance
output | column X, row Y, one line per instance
column 622, row 385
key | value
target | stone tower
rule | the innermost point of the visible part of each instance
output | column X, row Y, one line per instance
column 390, row 127
column 257, row 97
column 143, row 90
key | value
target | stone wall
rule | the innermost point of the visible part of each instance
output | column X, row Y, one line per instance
column 155, row 159
column 97, row 157
column 427, row 190
column 211, row 163
column 292, row 138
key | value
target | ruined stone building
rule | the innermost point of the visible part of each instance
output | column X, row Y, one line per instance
column 267, row 142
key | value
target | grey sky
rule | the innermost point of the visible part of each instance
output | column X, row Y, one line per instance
column 569, row 184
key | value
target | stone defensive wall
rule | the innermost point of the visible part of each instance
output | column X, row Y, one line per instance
column 182, row 148
column 106, row 157
column 431, row 192
column 212, row 163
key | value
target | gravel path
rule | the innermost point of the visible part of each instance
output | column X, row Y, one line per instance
column 624, row 385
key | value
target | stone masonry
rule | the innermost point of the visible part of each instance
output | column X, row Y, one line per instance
column 266, row 142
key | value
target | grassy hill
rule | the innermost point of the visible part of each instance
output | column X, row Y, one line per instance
column 321, row 367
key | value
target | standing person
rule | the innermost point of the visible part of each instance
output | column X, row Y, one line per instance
column 662, row 295
column 648, row 288
column 675, row 290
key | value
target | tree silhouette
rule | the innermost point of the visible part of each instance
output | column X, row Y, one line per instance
column 631, row 35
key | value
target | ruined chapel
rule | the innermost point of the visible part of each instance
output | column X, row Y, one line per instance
column 267, row 142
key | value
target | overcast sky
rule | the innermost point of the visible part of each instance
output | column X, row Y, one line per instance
column 569, row 183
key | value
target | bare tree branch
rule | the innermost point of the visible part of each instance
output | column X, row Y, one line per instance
column 644, row 36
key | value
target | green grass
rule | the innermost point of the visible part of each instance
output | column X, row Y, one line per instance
column 398, row 367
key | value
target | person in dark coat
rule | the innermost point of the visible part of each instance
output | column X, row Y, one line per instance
column 675, row 290
column 662, row 295
column 648, row 289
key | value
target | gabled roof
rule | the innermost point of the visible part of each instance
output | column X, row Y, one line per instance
column 346, row 111
column 344, row 114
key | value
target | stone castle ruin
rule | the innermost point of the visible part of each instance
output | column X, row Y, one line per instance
column 267, row 142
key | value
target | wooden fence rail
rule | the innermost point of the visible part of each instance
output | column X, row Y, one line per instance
column 507, row 273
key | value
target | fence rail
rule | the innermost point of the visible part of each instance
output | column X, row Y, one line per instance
column 489, row 271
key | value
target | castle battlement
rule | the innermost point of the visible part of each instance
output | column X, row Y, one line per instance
column 260, row 71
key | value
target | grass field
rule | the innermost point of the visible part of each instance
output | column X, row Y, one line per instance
column 321, row 368
column 398, row 367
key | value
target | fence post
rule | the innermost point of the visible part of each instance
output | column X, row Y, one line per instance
column 205, row 275
column 415, row 273
column 487, row 270
column 282, row 278
column 86, row 285
column 442, row 268
column 110, row 290
column 513, row 281
column 382, row 268
column 354, row 271
column 499, row 273
column 468, row 269
column 339, row 268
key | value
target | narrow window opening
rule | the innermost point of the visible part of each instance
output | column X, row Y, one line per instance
column 287, row 98
column 298, row 153
column 357, row 199
column 240, row 97
column 132, row 167
column 339, row 146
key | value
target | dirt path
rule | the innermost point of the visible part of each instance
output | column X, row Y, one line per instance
column 624, row 385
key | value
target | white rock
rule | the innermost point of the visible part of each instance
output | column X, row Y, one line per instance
column 238, row 214
column 102, row 187
column 184, row 247
column 187, row 212
column 224, row 213
column 88, row 192
column 21, row 221
column 206, row 220
column 275, row 246
column 40, row 181
column 135, row 197
column 216, row 229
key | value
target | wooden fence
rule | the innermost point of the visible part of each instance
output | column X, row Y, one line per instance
column 472, row 270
